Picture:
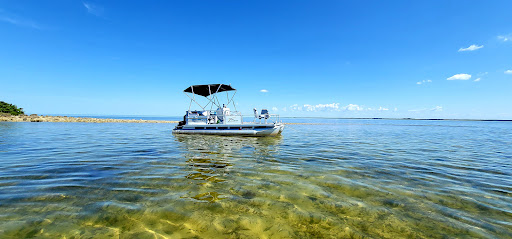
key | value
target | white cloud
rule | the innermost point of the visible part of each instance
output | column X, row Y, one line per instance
column 275, row 109
column 352, row 107
column 505, row 37
column 295, row 107
column 322, row 107
column 509, row 72
column 460, row 77
column 471, row 48
column 93, row 8
column 264, row 91
column 318, row 107
column 333, row 107
column 477, row 79
column 423, row 82
column 375, row 109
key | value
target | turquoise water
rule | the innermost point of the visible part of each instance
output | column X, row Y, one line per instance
column 344, row 178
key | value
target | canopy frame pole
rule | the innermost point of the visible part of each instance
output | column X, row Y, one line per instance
column 212, row 100
column 191, row 99
column 232, row 101
column 193, row 94
column 215, row 95
column 211, row 97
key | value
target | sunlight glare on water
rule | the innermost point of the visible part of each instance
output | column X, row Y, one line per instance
column 344, row 178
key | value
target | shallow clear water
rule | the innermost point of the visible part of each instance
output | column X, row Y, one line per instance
column 345, row 178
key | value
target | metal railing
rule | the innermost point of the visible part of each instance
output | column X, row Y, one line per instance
column 229, row 119
column 273, row 118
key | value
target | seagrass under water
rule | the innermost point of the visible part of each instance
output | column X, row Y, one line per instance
column 347, row 178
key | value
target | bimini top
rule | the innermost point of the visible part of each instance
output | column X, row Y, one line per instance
column 206, row 90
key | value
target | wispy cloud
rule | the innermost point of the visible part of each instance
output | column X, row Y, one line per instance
column 378, row 109
column 460, row 77
column 423, row 82
column 275, row 109
column 264, row 91
column 295, row 107
column 435, row 109
column 505, row 38
column 322, row 107
column 480, row 75
column 18, row 21
column 333, row 107
column 471, row 48
column 318, row 107
column 508, row 72
column 93, row 9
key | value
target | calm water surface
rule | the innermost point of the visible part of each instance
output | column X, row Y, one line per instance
column 345, row 178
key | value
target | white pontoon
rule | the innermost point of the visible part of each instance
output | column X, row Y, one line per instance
column 223, row 121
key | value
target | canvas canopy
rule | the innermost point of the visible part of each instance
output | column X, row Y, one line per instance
column 206, row 90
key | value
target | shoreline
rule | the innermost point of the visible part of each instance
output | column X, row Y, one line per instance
column 66, row 119
column 76, row 119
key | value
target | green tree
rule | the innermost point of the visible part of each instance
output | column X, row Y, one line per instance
column 10, row 109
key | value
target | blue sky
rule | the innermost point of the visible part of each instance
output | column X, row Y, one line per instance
column 420, row 59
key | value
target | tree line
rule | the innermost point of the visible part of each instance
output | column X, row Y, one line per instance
column 10, row 109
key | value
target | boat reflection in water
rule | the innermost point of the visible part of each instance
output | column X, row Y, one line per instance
column 211, row 161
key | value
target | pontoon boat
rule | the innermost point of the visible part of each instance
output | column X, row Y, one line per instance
column 223, row 121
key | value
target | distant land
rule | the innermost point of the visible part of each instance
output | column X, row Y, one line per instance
column 11, row 113
column 10, row 109
column 137, row 119
column 372, row 118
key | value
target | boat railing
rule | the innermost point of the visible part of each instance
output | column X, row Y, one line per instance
column 209, row 112
column 233, row 118
column 272, row 118
column 211, row 117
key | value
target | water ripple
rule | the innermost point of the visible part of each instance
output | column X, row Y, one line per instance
column 345, row 178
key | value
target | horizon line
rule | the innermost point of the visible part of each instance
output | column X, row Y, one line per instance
column 293, row 117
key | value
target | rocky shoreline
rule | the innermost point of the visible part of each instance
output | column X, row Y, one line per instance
column 41, row 118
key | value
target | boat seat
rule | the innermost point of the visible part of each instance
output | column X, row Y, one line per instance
column 264, row 114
